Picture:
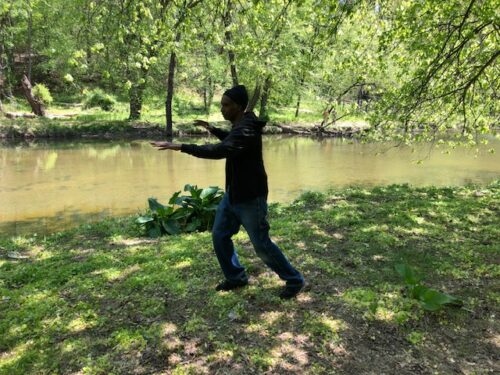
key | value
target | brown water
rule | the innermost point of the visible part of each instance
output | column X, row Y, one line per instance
column 47, row 187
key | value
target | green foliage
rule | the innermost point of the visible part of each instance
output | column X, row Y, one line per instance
column 430, row 299
column 98, row 98
column 416, row 69
column 184, row 213
column 42, row 93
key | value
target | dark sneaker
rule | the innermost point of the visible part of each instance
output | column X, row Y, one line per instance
column 230, row 285
column 291, row 291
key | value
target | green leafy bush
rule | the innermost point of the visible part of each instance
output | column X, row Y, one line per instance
column 42, row 93
column 98, row 98
column 184, row 213
column 430, row 299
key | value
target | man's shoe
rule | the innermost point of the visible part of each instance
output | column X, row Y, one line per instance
column 291, row 291
column 230, row 285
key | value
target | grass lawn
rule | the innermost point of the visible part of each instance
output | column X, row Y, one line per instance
column 101, row 299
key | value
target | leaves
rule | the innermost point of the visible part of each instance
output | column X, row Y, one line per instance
column 184, row 213
column 407, row 274
column 430, row 299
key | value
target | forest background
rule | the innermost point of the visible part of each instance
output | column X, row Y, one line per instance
column 412, row 69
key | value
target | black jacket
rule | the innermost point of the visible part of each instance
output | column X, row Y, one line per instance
column 246, row 177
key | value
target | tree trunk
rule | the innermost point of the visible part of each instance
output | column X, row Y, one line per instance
column 360, row 96
column 30, row 28
column 170, row 95
column 234, row 74
column 254, row 99
column 170, row 90
column 36, row 105
column 1, row 77
column 299, row 96
column 136, row 92
column 228, row 38
column 208, row 95
column 263, row 115
column 208, row 91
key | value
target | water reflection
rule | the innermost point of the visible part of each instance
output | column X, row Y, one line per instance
column 48, row 186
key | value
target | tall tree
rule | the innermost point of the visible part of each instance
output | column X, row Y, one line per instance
column 228, row 40
column 181, row 13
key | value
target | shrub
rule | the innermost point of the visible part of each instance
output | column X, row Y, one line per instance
column 42, row 93
column 98, row 98
column 184, row 213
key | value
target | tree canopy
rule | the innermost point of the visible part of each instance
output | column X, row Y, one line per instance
column 417, row 69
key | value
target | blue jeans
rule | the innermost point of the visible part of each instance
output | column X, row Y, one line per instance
column 253, row 216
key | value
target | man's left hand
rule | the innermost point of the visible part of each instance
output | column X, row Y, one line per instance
column 166, row 146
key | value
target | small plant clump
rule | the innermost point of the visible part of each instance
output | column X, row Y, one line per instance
column 98, row 98
column 430, row 299
column 42, row 93
column 184, row 213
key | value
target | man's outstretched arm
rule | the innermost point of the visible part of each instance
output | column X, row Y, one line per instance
column 236, row 143
column 219, row 133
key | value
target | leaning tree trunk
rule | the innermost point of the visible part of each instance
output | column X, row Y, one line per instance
column 254, row 99
column 36, row 105
column 263, row 115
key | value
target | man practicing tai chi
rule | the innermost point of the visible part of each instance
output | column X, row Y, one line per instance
column 245, row 200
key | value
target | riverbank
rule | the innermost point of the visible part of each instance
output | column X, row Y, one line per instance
column 46, row 128
column 103, row 299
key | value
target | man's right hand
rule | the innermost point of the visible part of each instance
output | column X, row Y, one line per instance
column 202, row 123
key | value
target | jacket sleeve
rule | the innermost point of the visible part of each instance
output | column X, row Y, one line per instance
column 236, row 143
column 219, row 133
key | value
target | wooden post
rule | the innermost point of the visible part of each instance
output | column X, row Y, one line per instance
column 36, row 105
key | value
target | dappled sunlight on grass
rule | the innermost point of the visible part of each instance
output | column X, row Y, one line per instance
column 106, row 302
column 80, row 324
column 10, row 357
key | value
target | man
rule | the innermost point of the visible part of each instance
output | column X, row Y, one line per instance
column 245, row 200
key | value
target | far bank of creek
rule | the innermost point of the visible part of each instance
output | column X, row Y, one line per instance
column 50, row 186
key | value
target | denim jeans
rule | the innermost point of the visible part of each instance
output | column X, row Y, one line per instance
column 253, row 216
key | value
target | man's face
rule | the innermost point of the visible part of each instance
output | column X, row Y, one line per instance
column 229, row 109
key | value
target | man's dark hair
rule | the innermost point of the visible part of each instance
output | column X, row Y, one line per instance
column 239, row 95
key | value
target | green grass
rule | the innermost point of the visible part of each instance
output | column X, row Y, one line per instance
column 100, row 299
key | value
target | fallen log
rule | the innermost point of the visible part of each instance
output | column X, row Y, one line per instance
column 19, row 114
column 319, row 131
column 13, row 115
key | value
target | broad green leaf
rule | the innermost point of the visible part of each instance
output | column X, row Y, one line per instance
column 418, row 291
column 407, row 274
column 173, row 198
column 144, row 219
column 154, row 205
column 171, row 226
column 209, row 191
column 433, row 300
